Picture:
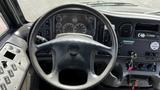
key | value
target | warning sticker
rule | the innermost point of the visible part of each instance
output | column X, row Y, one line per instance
column 3, row 26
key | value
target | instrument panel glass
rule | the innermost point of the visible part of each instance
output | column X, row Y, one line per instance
column 75, row 23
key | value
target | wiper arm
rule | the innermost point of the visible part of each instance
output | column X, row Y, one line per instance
column 100, row 3
column 154, row 12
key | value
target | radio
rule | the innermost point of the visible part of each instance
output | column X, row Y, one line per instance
column 146, row 35
column 146, row 31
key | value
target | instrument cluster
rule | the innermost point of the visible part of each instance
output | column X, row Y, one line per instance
column 75, row 23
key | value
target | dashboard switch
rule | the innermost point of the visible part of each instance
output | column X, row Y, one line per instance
column 7, row 80
column 141, row 66
column 4, row 63
column 3, row 87
column 151, row 54
column 1, row 70
column 10, row 48
column 14, row 67
column 10, row 72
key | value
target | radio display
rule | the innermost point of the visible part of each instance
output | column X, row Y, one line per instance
column 9, row 55
column 3, row 25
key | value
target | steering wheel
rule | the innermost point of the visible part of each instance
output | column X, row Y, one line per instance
column 72, row 50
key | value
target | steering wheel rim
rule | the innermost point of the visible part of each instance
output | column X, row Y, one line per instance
column 52, row 78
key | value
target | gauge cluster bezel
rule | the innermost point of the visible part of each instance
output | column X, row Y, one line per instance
column 74, row 19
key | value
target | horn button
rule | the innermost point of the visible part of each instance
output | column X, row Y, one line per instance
column 73, row 59
column 73, row 50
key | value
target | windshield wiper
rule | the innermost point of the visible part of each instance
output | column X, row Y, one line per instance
column 155, row 13
column 100, row 3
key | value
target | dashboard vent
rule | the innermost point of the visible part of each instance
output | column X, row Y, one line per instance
column 125, row 30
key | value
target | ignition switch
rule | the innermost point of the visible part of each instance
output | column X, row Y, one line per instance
column 133, row 55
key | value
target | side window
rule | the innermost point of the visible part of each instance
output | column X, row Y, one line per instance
column 3, row 25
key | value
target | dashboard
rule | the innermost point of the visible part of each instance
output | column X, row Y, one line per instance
column 138, row 59
column 67, row 22
column 140, row 37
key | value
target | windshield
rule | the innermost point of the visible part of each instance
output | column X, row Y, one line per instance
column 32, row 9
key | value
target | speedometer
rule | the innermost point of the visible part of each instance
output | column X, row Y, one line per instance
column 68, row 27
column 80, row 28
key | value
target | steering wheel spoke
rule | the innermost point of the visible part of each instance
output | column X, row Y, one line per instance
column 91, row 76
column 44, row 45
column 104, row 48
column 58, row 55
column 53, row 76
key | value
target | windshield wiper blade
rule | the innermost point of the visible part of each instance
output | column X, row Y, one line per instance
column 98, row 3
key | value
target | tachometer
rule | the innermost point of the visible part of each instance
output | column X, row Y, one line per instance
column 80, row 28
column 68, row 27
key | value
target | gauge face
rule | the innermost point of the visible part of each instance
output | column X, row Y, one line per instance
column 68, row 27
column 80, row 28
column 58, row 18
column 58, row 25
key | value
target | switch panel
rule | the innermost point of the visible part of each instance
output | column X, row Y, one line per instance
column 14, row 64
column 141, row 66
